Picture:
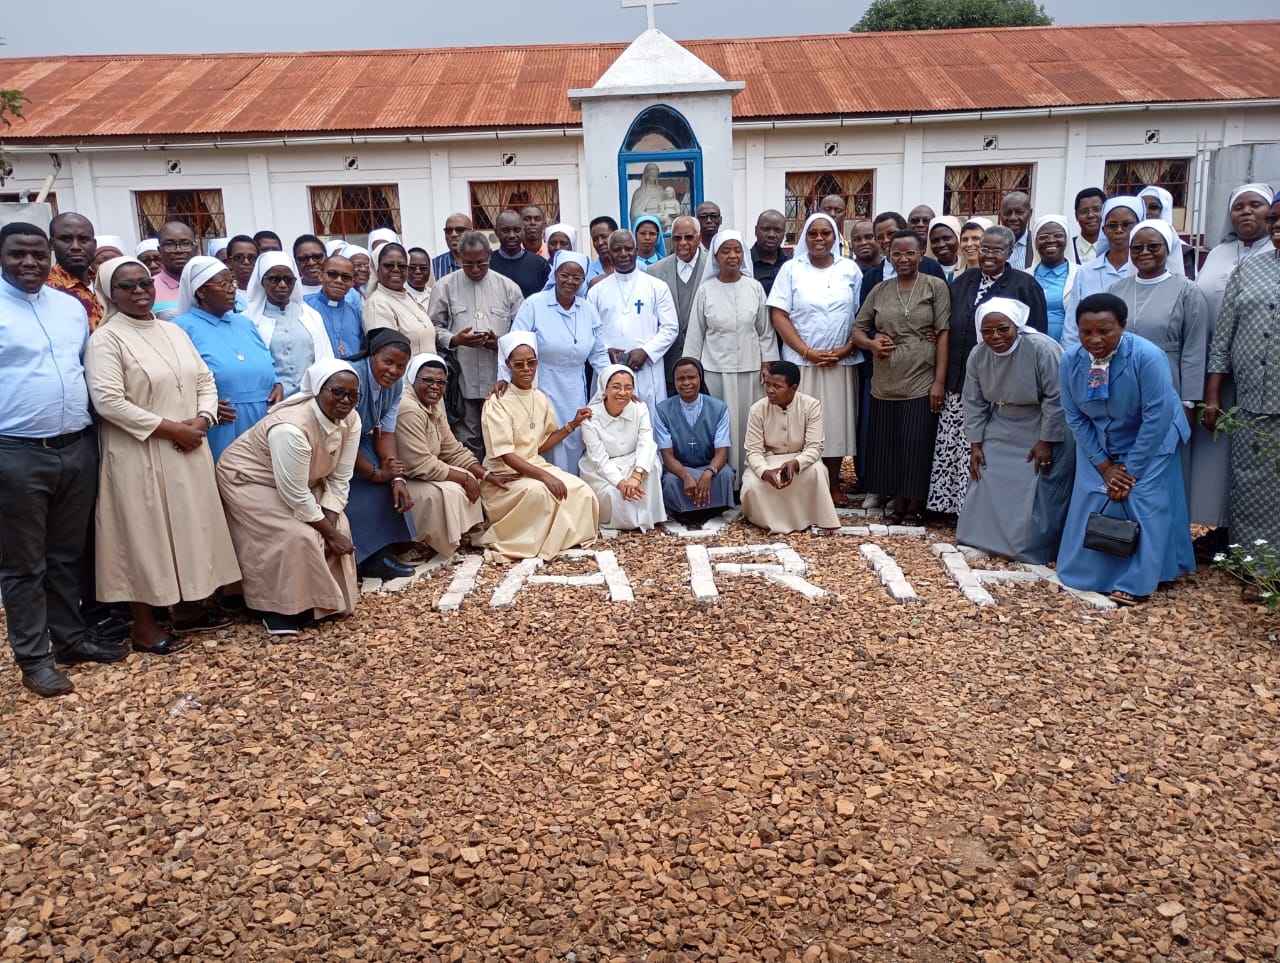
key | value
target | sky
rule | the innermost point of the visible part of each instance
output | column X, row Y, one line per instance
column 79, row 26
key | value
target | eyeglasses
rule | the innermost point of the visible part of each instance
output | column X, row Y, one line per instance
column 308, row 258
column 147, row 283
column 341, row 394
column 279, row 279
column 227, row 282
column 1155, row 248
column 339, row 276
column 243, row 258
column 1111, row 227
column 434, row 382
column 177, row 245
column 993, row 251
column 571, row 277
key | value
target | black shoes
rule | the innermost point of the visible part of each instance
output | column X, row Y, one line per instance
column 110, row 629
column 47, row 682
column 277, row 624
column 91, row 649
column 383, row 566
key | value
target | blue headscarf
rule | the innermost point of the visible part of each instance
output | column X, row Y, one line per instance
column 660, row 250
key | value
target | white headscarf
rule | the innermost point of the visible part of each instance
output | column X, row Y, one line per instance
column 255, row 293
column 1059, row 219
column 375, row 265
column 1161, row 227
column 512, row 340
column 334, row 245
column 415, row 365
column 113, row 241
column 802, row 245
column 1265, row 191
column 982, row 222
column 602, row 382
column 712, row 268
column 1166, row 202
column 1124, row 200
column 1014, row 310
column 564, row 229
column 216, row 245
column 351, row 250
column 150, row 244
column 199, row 271
column 102, row 285
column 313, row 380
column 383, row 234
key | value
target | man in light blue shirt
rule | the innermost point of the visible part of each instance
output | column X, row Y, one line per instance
column 48, row 466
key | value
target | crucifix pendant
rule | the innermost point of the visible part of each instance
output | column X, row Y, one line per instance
column 639, row 305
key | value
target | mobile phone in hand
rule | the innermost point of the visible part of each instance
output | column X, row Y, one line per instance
column 784, row 476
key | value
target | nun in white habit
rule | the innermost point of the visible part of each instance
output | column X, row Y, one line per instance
column 292, row 330
column 1177, row 265
column 1022, row 463
column 1244, row 235
column 621, row 459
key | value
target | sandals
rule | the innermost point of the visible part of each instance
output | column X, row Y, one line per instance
column 1125, row 600
column 913, row 519
column 165, row 645
column 840, row 499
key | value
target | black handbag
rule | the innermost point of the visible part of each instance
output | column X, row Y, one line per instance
column 1111, row 535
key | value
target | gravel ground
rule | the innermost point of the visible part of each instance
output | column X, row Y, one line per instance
column 763, row 778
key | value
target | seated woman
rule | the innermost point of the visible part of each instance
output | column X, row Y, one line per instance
column 621, row 458
column 379, row 500
column 442, row 475
column 693, row 439
column 284, row 485
column 535, row 509
column 292, row 331
column 785, row 486
column 231, row 348
column 1128, row 423
column 1021, row 460
column 157, row 541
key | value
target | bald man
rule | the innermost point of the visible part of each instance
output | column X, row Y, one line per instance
column 1015, row 214
column 455, row 225
column 71, row 237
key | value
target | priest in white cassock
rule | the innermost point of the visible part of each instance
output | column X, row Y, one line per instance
column 639, row 320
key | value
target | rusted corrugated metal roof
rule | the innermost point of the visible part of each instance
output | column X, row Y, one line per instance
column 167, row 98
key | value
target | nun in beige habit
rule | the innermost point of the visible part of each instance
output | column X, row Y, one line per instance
column 391, row 304
column 442, row 475
column 284, row 485
column 160, row 537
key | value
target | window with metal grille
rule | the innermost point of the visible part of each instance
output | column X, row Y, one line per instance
column 491, row 198
column 353, row 210
column 1131, row 176
column 979, row 191
column 201, row 211
column 805, row 189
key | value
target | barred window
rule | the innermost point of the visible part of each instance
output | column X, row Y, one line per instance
column 979, row 191
column 202, row 211
column 491, row 198
column 1131, row 176
column 353, row 210
column 806, row 188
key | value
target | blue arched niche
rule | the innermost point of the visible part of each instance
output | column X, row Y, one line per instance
column 659, row 167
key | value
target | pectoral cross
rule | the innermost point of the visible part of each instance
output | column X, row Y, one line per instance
column 648, row 5
column 639, row 305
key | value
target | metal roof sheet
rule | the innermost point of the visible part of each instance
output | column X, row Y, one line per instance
column 163, row 97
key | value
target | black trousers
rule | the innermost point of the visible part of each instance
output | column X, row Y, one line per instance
column 47, row 496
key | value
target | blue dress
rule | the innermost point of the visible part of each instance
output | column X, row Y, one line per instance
column 241, row 364
column 1141, row 424
column 693, row 432
column 567, row 341
column 1054, row 281
column 375, row 523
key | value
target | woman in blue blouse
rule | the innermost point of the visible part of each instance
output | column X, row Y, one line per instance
column 231, row 348
column 1055, row 272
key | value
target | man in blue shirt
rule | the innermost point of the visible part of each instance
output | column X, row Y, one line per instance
column 48, row 466
column 455, row 225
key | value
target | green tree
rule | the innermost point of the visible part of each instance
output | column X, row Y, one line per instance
column 950, row 15
column 11, row 103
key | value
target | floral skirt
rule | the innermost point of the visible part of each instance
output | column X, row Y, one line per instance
column 950, row 478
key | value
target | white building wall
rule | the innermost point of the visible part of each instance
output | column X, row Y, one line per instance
column 267, row 186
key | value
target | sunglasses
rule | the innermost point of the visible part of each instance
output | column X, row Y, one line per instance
column 243, row 258
column 339, row 276
column 146, row 283
column 308, row 258
column 1146, row 248
column 279, row 279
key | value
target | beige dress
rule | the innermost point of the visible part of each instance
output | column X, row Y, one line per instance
column 774, row 436
column 525, row 519
column 385, row 308
column 161, row 537
column 441, row 510
column 285, row 566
